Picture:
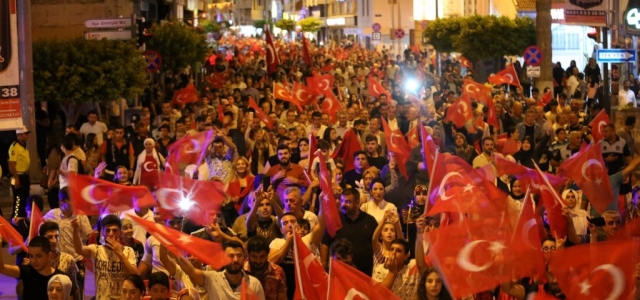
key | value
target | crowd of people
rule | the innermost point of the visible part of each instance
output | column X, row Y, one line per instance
column 271, row 178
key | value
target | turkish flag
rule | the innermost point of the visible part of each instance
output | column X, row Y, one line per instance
column 302, row 94
column 329, row 206
column 588, row 171
column 246, row 293
column 546, row 98
column 312, row 282
column 347, row 282
column 398, row 145
column 553, row 205
column 477, row 91
column 492, row 116
column 209, row 253
column 94, row 197
column 466, row 63
column 194, row 199
column 189, row 94
column 415, row 49
column 526, row 240
column 217, row 80
column 331, row 106
column 189, row 150
column 413, row 137
column 376, row 89
column 272, row 57
column 628, row 230
column 459, row 188
column 261, row 114
column 429, row 150
column 11, row 235
column 305, row 52
column 475, row 258
column 35, row 222
column 327, row 68
column 602, row 270
column 320, row 84
column 280, row 92
column 527, row 177
column 348, row 146
column 508, row 76
column 597, row 125
column 313, row 146
column 459, row 112
column 220, row 112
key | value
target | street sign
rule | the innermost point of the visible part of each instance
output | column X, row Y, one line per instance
column 108, row 23
column 399, row 33
column 153, row 59
column 376, row 36
column 616, row 55
column 109, row 35
column 533, row 56
column 533, row 71
column 376, row 27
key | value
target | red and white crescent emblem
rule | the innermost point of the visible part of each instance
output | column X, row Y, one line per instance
column 464, row 255
column 300, row 93
column 510, row 77
column 353, row 293
column 324, row 85
column 271, row 53
column 463, row 109
column 443, row 185
column 587, row 164
column 470, row 88
column 96, row 196
column 193, row 147
column 617, row 277
column 600, row 126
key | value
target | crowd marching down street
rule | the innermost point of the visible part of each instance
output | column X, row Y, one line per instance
column 336, row 172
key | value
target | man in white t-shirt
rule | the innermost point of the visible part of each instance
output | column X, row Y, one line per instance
column 626, row 97
column 94, row 126
column 73, row 158
column 226, row 284
column 112, row 261
column 293, row 204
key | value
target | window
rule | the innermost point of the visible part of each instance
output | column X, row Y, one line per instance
column 561, row 40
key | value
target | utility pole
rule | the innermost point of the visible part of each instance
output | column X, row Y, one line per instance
column 26, row 82
column 399, row 26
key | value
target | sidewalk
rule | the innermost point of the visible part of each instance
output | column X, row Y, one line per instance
column 8, row 284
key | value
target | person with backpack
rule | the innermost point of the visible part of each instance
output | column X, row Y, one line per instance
column 74, row 159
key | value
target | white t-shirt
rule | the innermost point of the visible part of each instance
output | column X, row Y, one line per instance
column 185, row 283
column 67, row 165
column 407, row 280
column 98, row 128
column 278, row 243
column 66, row 230
column 311, row 217
column 110, row 272
column 218, row 287
column 316, row 165
column 138, row 232
column 152, row 255
column 377, row 211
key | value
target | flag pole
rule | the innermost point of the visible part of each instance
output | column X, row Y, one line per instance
column 433, row 169
column 329, row 277
column 297, row 263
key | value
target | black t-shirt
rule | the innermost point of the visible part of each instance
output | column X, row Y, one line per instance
column 350, row 177
column 378, row 162
column 23, row 229
column 359, row 232
column 35, row 283
column 530, row 131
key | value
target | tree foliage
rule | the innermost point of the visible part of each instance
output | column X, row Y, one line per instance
column 210, row 26
column 85, row 71
column 480, row 37
column 260, row 24
column 286, row 24
column 310, row 24
column 180, row 46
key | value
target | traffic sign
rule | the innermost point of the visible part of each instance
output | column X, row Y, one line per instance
column 376, row 36
column 533, row 56
column 376, row 27
column 533, row 71
column 109, row 35
column 616, row 55
column 153, row 59
column 399, row 33
column 108, row 23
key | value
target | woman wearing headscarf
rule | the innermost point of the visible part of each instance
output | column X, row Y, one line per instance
column 462, row 149
column 149, row 165
column 59, row 287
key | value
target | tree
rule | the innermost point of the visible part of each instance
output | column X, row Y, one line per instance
column 180, row 46
column 87, row 71
column 286, row 24
column 210, row 26
column 481, row 37
column 543, row 40
column 310, row 24
column 259, row 24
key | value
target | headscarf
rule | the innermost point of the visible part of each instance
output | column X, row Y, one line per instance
column 66, row 284
column 465, row 151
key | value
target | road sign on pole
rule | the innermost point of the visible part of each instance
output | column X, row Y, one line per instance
column 533, row 56
column 376, row 36
column 616, row 55
column 376, row 27
column 399, row 33
column 153, row 59
column 108, row 23
column 533, row 71
column 109, row 35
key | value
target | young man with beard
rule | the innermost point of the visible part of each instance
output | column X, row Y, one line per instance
column 286, row 174
column 36, row 275
column 271, row 276
column 358, row 228
column 224, row 284
column 59, row 260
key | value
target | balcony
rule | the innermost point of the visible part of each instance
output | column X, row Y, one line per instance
column 341, row 8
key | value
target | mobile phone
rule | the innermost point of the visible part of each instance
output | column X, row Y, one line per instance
column 596, row 221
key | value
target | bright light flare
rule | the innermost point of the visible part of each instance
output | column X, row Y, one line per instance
column 185, row 203
column 411, row 85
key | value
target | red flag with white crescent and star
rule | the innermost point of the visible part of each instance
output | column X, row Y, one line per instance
column 398, row 145
column 331, row 106
column 191, row 198
column 302, row 94
column 507, row 76
column 282, row 93
column 347, row 282
column 320, row 84
column 189, row 150
column 209, row 253
column 94, row 197
column 527, row 177
column 187, row 95
column 329, row 207
column 413, row 137
column 376, row 89
column 460, row 111
column 429, row 150
column 588, row 171
column 305, row 52
column 597, row 125
column 312, row 281
column 602, row 270
column 11, row 235
column 526, row 239
column 35, row 222
column 546, row 98
column 553, row 205
column 260, row 114
column 273, row 61
column 347, row 147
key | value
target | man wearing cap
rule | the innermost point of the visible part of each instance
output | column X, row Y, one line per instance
column 19, row 166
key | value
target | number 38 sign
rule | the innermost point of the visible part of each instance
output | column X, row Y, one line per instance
column 10, row 112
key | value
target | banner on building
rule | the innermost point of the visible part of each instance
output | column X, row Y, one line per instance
column 586, row 12
column 10, row 111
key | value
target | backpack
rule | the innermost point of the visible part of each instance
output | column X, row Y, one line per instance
column 81, row 169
